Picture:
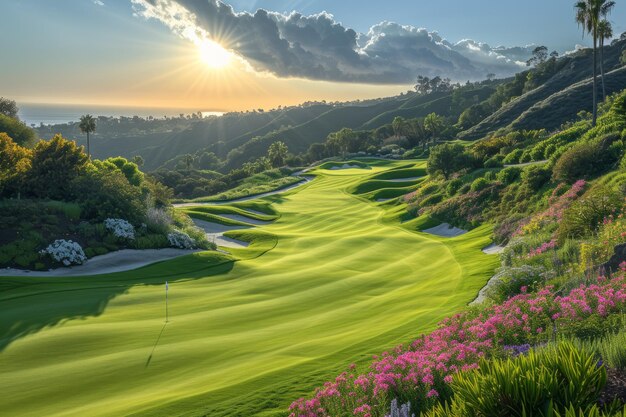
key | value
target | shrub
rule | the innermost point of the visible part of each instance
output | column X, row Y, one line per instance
column 493, row 162
column 587, row 213
column 479, row 184
column 403, row 410
column 66, row 252
column 588, row 159
column 611, row 348
column 180, row 240
column 18, row 131
column 158, row 220
column 107, row 194
column 513, row 157
column 509, row 175
column 453, row 186
column 561, row 376
column 509, row 282
column 15, row 161
column 55, row 164
column 151, row 241
column 120, row 228
column 535, row 176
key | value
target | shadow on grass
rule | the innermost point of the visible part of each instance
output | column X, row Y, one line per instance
column 30, row 304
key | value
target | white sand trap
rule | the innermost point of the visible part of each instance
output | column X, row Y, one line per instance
column 445, row 230
column 345, row 166
column 215, row 233
column 493, row 249
column 240, row 218
column 118, row 261
column 403, row 179
column 248, row 198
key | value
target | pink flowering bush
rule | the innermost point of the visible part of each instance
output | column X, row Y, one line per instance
column 545, row 247
column 421, row 372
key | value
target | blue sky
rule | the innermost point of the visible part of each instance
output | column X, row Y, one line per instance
column 63, row 50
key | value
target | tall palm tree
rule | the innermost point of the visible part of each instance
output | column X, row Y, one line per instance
column 87, row 125
column 588, row 15
column 605, row 31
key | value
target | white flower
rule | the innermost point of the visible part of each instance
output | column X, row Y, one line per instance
column 66, row 252
column 120, row 228
column 181, row 240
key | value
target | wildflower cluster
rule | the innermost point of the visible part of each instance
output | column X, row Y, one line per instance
column 542, row 249
column 557, row 204
column 66, row 252
column 423, row 370
column 120, row 228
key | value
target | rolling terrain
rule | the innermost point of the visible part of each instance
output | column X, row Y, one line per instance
column 337, row 277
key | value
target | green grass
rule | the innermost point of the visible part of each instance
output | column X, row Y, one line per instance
column 335, row 279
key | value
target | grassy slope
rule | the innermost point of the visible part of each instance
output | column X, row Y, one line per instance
column 334, row 280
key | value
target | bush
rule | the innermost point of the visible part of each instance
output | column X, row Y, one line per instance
column 479, row 184
column 107, row 194
column 453, row 186
column 55, row 164
column 513, row 157
column 611, row 348
column 494, row 162
column 66, row 252
column 158, row 220
column 18, row 131
column 509, row 175
column 557, row 377
column 180, row 240
column 586, row 160
column 585, row 215
column 535, row 177
column 509, row 282
column 120, row 228
column 449, row 158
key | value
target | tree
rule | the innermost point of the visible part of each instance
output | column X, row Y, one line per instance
column 426, row 85
column 55, row 164
column 189, row 160
column 398, row 125
column 138, row 160
column 208, row 160
column 588, row 16
column 277, row 153
column 316, row 152
column 87, row 125
column 8, row 107
column 416, row 132
column 434, row 125
column 448, row 158
column 15, row 161
column 605, row 31
column 18, row 131
column 622, row 59
column 491, row 76
column 540, row 54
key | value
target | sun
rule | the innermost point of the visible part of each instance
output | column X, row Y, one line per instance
column 213, row 54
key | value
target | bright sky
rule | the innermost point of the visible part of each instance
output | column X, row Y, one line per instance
column 79, row 51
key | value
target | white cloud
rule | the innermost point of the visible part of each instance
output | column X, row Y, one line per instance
column 98, row 2
column 318, row 47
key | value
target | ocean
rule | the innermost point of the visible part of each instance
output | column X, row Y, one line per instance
column 49, row 114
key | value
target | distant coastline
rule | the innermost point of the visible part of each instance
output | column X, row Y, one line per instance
column 50, row 114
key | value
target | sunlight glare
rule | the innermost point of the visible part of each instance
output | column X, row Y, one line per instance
column 213, row 54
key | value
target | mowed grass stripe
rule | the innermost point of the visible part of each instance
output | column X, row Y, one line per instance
column 245, row 338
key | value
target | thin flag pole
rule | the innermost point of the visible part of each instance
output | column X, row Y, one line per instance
column 166, row 305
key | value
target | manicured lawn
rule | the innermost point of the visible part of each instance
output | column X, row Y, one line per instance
column 334, row 280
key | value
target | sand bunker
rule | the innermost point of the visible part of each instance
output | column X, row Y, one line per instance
column 345, row 166
column 445, row 230
column 118, row 261
column 493, row 249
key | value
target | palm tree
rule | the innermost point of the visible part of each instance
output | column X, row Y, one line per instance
column 87, row 125
column 189, row 160
column 605, row 31
column 588, row 15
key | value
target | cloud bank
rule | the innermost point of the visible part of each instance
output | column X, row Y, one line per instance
column 319, row 48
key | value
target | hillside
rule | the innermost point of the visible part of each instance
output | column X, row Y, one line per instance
column 543, row 106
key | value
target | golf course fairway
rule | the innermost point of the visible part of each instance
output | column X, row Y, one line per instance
column 335, row 279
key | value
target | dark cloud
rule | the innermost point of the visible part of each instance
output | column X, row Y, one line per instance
column 317, row 47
